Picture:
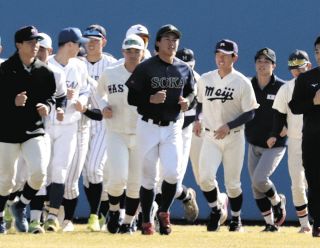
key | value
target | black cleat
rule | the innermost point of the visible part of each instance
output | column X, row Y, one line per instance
column 270, row 228
column 235, row 225
column 213, row 223
column 113, row 221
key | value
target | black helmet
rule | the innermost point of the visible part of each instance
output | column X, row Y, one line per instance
column 168, row 28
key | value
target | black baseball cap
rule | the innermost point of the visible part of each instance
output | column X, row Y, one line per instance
column 268, row 53
column 27, row 33
column 71, row 34
column 227, row 46
column 95, row 30
column 185, row 54
column 169, row 28
column 298, row 59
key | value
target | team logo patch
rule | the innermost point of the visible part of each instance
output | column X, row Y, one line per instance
column 271, row 97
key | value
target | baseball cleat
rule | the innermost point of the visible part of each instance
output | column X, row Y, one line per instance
column 8, row 217
column 35, row 227
column 164, row 223
column 270, row 228
column 191, row 209
column 113, row 221
column 3, row 229
column 316, row 232
column 235, row 225
column 279, row 211
column 223, row 202
column 125, row 229
column 51, row 225
column 213, row 223
column 147, row 229
column 102, row 222
column 93, row 223
column 20, row 216
column 305, row 229
column 67, row 226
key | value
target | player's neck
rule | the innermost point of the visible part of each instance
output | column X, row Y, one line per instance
column 94, row 57
column 61, row 59
column 26, row 60
column 224, row 72
column 166, row 58
column 130, row 66
column 263, row 80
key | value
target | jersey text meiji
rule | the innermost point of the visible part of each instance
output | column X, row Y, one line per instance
column 221, row 94
column 167, row 82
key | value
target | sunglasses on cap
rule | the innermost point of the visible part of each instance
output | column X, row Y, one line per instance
column 297, row 62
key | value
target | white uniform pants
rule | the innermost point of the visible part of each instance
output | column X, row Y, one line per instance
column 229, row 151
column 36, row 154
column 296, row 171
column 159, row 142
column 63, row 146
column 124, row 169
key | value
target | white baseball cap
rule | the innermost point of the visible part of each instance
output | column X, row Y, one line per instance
column 46, row 42
column 137, row 29
column 133, row 41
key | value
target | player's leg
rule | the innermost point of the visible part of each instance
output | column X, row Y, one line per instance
column 233, row 155
column 118, row 161
column 298, row 183
column 9, row 153
column 184, row 194
column 36, row 210
column 209, row 161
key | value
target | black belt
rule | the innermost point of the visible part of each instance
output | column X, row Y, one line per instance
column 157, row 122
column 234, row 131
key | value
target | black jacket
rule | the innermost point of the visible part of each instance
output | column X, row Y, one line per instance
column 18, row 124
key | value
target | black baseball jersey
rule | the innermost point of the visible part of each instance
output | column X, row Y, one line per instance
column 154, row 75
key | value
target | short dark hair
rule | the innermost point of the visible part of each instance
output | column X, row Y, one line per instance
column 317, row 41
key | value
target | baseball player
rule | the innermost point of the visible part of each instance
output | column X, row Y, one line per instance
column 143, row 32
column 63, row 133
column 29, row 102
column 306, row 100
column 298, row 62
column 228, row 102
column 91, row 153
column 264, row 151
column 161, row 87
column 124, row 171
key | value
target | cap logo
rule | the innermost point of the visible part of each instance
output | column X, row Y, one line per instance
column 33, row 31
column 265, row 52
column 222, row 44
column 184, row 57
column 139, row 28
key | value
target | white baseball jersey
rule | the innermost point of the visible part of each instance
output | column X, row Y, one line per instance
column 76, row 78
column 224, row 99
column 60, row 77
column 112, row 84
column 283, row 97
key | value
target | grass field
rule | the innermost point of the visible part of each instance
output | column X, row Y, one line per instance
column 183, row 236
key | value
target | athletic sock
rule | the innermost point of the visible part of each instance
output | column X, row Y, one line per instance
column 168, row 192
column 146, row 200
column 93, row 193
column 69, row 208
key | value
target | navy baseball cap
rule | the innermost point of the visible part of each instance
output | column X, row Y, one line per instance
column 298, row 59
column 27, row 33
column 71, row 34
column 227, row 46
column 167, row 29
column 95, row 31
column 268, row 53
column 185, row 54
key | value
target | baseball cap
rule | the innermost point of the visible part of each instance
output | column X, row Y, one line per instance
column 137, row 29
column 168, row 28
column 46, row 42
column 27, row 33
column 133, row 41
column 269, row 53
column 95, row 31
column 71, row 34
column 298, row 59
column 185, row 54
column 227, row 46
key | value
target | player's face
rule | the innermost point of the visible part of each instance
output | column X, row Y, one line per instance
column 224, row 61
column 29, row 48
column 317, row 54
column 74, row 49
column 264, row 66
column 95, row 46
column 168, row 45
column 133, row 56
column 43, row 54
column 296, row 72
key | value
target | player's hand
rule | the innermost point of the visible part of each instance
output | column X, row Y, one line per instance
column 70, row 93
column 283, row 132
column 107, row 112
column 42, row 109
column 80, row 107
column 21, row 99
column 271, row 141
column 197, row 128
column 159, row 97
column 184, row 103
column 60, row 114
column 222, row 132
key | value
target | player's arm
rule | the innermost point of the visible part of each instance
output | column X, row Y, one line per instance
column 93, row 114
column 241, row 119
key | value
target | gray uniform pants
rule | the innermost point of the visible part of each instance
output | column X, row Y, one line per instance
column 262, row 162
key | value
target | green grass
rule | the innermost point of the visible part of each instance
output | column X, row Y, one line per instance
column 183, row 236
